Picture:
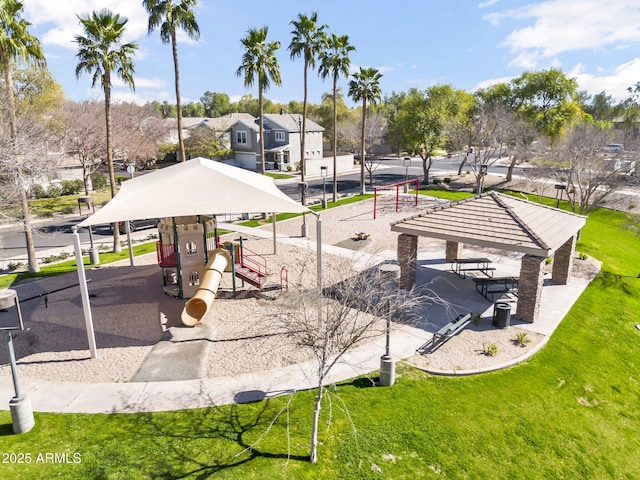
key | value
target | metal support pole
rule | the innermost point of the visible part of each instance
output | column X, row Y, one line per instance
column 129, row 245
column 319, row 252
column 84, row 293
column 14, row 367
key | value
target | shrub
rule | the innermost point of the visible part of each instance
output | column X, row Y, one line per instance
column 54, row 190
column 71, row 187
column 37, row 191
column 98, row 180
column 447, row 180
column 522, row 338
column 15, row 266
column 477, row 318
column 436, row 181
column 490, row 349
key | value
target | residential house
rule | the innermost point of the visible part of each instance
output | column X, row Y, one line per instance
column 221, row 125
column 281, row 142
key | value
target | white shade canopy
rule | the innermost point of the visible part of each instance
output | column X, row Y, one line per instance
column 196, row 187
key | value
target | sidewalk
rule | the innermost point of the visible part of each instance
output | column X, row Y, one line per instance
column 76, row 397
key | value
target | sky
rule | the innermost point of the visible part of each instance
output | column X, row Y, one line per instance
column 468, row 44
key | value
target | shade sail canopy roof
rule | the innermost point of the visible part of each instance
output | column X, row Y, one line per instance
column 498, row 221
column 195, row 187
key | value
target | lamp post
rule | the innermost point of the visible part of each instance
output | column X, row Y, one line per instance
column 323, row 173
column 407, row 163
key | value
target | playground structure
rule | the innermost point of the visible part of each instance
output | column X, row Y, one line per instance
column 193, row 260
column 198, row 306
column 382, row 194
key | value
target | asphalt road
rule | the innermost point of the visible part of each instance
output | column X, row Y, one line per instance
column 56, row 233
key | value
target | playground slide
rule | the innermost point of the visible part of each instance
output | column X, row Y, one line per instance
column 198, row 306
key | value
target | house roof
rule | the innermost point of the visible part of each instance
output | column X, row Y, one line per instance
column 220, row 124
column 285, row 121
column 292, row 122
column 498, row 221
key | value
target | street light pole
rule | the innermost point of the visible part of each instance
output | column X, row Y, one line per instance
column 323, row 173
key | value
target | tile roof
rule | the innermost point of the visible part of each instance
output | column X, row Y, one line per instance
column 496, row 220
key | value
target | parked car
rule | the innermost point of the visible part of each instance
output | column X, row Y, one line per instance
column 613, row 147
column 138, row 224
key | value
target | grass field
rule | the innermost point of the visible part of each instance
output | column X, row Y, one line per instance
column 572, row 411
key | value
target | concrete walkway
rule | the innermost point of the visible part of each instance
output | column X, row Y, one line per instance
column 153, row 396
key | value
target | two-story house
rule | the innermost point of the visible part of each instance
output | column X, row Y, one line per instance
column 281, row 142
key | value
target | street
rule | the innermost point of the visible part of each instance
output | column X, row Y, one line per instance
column 55, row 234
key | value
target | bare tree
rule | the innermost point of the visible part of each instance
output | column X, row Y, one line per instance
column 138, row 133
column 354, row 309
column 83, row 136
column 488, row 134
column 376, row 131
column 590, row 174
column 23, row 158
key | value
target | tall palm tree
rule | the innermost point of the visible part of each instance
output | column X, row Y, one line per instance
column 309, row 41
column 17, row 44
column 259, row 61
column 335, row 61
column 171, row 15
column 101, row 53
column 365, row 86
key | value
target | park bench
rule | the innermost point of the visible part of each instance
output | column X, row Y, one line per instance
column 449, row 330
column 462, row 265
column 488, row 287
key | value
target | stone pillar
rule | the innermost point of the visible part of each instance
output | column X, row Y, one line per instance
column 453, row 251
column 530, row 287
column 407, row 258
column 563, row 261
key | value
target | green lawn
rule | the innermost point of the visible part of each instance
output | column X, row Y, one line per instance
column 573, row 411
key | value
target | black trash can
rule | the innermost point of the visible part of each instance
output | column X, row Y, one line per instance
column 501, row 315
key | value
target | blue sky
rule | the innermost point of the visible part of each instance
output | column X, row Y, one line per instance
column 414, row 43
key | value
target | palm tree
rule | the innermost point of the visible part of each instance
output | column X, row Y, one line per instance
column 309, row 41
column 170, row 15
column 259, row 61
column 365, row 86
column 17, row 44
column 100, row 53
column 335, row 61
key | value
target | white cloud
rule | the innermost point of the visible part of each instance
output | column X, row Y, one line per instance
column 568, row 25
column 616, row 84
column 491, row 81
column 58, row 21
column 487, row 4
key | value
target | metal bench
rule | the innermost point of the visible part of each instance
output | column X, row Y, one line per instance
column 449, row 330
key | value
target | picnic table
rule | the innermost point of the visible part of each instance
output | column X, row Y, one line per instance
column 462, row 265
column 488, row 287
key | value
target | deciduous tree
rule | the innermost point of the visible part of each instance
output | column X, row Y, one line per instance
column 18, row 45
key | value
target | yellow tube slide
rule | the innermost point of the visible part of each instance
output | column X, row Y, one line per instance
column 198, row 306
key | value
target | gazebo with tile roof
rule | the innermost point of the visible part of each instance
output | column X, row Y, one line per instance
column 498, row 221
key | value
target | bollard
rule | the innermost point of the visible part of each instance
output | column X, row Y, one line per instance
column 387, row 371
